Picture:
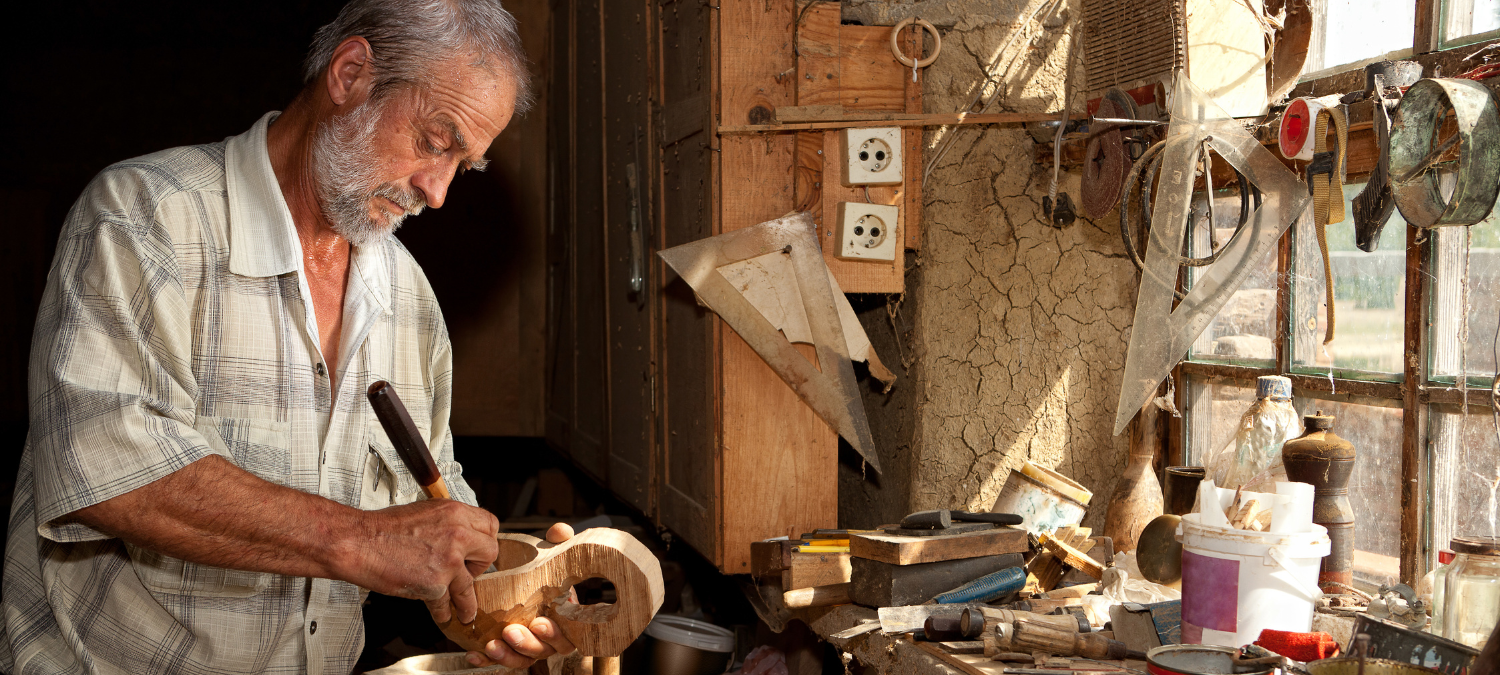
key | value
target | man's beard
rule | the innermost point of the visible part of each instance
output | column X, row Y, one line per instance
column 346, row 165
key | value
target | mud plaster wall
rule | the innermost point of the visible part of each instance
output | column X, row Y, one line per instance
column 1013, row 333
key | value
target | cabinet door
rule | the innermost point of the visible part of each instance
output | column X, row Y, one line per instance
column 578, row 373
column 629, row 154
column 688, row 467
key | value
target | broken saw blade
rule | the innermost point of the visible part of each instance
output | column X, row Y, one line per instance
column 1161, row 334
column 832, row 393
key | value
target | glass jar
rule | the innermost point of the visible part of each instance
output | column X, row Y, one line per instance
column 1439, row 587
column 1471, row 594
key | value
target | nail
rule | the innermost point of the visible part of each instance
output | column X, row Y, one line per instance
column 514, row 637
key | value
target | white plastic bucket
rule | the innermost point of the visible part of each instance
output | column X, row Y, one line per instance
column 1236, row 583
column 687, row 647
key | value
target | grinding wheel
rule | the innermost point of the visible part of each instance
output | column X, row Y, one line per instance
column 1158, row 553
column 1105, row 164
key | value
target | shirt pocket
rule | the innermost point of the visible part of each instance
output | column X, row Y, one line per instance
column 257, row 446
column 386, row 481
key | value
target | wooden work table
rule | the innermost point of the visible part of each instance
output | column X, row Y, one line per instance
column 891, row 654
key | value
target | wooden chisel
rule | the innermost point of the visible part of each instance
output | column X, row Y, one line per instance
column 407, row 439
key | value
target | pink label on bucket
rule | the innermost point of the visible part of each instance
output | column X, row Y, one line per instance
column 1210, row 592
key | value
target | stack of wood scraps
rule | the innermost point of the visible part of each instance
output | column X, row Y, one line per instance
column 1066, row 549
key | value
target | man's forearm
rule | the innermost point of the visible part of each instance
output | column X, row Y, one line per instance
column 215, row 513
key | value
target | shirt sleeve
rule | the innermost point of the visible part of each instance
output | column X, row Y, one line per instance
column 111, row 403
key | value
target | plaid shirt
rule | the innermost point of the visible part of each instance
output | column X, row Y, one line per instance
column 176, row 325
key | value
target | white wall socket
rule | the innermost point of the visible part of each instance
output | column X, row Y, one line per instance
column 867, row 231
column 872, row 156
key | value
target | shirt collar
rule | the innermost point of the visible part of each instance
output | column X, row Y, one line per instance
column 262, row 238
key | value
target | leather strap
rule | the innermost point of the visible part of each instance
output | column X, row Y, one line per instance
column 1325, row 175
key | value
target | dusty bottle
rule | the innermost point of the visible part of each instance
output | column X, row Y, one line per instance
column 1320, row 458
column 1471, row 599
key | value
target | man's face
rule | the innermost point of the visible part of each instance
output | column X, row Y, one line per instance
column 388, row 159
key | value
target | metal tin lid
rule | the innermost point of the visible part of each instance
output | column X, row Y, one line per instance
column 1273, row 386
column 1476, row 545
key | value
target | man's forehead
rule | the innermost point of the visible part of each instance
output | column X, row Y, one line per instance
column 470, row 101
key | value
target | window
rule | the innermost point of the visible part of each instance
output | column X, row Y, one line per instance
column 1416, row 327
column 1469, row 21
column 1355, row 31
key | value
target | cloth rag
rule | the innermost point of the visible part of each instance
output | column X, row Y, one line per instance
column 1299, row 646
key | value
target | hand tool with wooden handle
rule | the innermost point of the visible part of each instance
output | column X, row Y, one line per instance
column 1032, row 636
column 942, row 519
column 534, row 576
column 407, row 439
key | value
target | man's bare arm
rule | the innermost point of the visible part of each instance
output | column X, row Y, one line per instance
column 215, row 513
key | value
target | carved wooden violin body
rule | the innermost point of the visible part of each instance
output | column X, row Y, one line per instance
column 534, row 577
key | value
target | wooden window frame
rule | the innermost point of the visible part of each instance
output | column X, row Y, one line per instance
column 1416, row 392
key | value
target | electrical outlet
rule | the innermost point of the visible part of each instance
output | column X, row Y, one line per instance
column 867, row 231
column 872, row 156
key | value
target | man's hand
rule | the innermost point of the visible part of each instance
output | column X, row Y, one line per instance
column 429, row 550
column 525, row 645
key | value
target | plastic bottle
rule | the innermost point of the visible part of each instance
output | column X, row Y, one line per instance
column 1253, row 459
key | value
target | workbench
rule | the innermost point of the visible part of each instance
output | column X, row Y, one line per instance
column 890, row 654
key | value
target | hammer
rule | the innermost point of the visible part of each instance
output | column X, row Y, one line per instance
column 942, row 519
column 407, row 439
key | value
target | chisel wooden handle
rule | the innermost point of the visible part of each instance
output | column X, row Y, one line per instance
column 407, row 439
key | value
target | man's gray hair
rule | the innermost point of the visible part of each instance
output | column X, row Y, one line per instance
column 409, row 38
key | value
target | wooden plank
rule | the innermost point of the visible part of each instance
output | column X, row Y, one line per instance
column 769, row 558
column 850, row 121
column 1413, row 416
column 755, row 59
column 1047, row 568
column 898, row 550
column 687, row 461
column 819, row 68
column 912, row 141
column 857, row 276
column 871, row 75
column 1072, row 557
column 809, row 183
column 815, row 569
column 1427, row 30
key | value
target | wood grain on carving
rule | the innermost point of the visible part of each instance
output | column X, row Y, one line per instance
column 538, row 585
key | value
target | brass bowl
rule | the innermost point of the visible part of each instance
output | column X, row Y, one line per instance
column 1158, row 553
column 1350, row 666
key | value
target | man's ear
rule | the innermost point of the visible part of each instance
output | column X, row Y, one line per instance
column 349, row 77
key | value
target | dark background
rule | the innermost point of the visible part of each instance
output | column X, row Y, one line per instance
column 88, row 84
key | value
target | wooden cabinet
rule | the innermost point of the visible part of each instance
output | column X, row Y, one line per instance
column 647, row 391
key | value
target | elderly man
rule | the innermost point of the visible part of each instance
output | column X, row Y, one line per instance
column 205, row 487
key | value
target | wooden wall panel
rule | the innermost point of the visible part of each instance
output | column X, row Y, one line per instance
column 630, row 147
column 591, row 365
column 780, row 460
column 688, row 462
column 872, row 78
column 756, row 60
column 560, row 325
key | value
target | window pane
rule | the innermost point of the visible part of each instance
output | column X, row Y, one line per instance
column 1375, row 487
column 1213, row 412
column 1244, row 329
column 1466, row 21
column 1465, row 469
column 1350, row 31
column 1369, row 296
column 1481, row 266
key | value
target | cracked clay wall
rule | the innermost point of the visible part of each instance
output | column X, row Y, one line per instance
column 1013, row 333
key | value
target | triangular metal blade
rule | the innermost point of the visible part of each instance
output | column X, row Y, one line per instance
column 1162, row 335
column 832, row 393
